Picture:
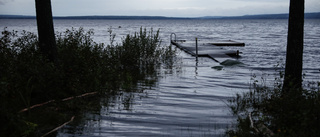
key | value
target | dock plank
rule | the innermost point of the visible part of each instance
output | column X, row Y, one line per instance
column 228, row 43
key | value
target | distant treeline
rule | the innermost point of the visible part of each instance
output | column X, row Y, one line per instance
column 269, row 16
column 261, row 16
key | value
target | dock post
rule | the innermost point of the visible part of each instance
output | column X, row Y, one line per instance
column 197, row 49
column 175, row 37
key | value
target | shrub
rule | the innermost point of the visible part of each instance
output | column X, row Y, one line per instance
column 265, row 111
column 27, row 78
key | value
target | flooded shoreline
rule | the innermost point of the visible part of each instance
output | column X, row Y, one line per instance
column 190, row 99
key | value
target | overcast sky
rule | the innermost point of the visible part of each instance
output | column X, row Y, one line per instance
column 173, row 8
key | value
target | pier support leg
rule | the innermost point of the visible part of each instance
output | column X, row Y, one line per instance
column 197, row 49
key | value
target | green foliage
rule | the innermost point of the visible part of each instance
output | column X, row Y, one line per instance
column 285, row 113
column 27, row 78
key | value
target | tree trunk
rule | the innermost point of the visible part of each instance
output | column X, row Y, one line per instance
column 293, row 70
column 47, row 42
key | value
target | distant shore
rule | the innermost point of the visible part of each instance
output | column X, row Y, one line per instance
column 315, row 15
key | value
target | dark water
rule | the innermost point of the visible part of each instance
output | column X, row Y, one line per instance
column 189, row 100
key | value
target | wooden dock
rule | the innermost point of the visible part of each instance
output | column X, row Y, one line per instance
column 228, row 43
column 211, row 50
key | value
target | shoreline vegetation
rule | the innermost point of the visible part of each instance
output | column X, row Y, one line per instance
column 265, row 111
column 37, row 97
column 315, row 15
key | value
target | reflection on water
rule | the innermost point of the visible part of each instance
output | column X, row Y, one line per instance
column 188, row 99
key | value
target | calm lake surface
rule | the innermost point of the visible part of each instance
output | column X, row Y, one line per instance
column 190, row 99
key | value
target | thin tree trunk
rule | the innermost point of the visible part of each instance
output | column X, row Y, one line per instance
column 47, row 42
column 293, row 70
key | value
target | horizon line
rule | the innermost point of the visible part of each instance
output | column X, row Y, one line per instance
column 153, row 16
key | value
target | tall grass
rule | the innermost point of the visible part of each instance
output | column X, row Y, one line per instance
column 27, row 78
column 266, row 111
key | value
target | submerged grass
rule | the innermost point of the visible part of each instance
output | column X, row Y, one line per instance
column 265, row 111
column 85, row 66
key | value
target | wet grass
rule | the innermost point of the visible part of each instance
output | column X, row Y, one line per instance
column 85, row 66
column 267, row 111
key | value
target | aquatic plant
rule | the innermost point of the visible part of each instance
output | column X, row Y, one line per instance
column 84, row 68
column 265, row 111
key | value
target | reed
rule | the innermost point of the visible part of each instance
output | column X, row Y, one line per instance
column 84, row 66
column 266, row 111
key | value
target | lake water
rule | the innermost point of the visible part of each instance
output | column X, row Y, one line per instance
column 190, row 99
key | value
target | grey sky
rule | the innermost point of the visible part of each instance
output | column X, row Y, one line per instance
column 175, row 8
